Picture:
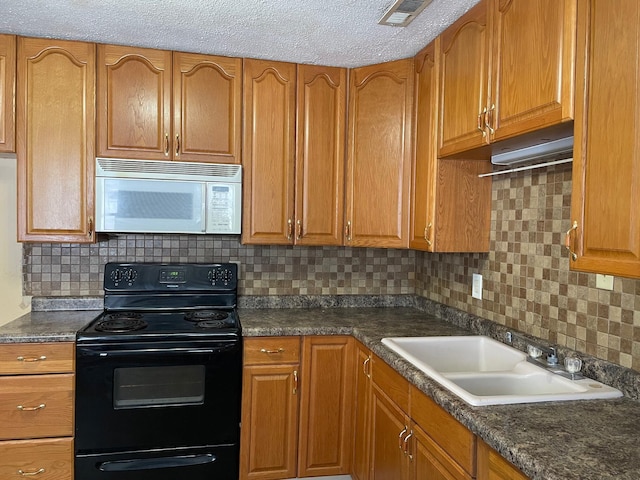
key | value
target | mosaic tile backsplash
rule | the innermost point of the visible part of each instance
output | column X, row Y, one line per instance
column 527, row 281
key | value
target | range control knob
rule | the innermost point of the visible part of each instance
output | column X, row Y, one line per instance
column 130, row 275
column 116, row 276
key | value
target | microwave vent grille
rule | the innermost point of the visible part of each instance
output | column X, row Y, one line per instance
column 117, row 167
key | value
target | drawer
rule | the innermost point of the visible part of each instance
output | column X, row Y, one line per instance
column 50, row 459
column 271, row 350
column 34, row 406
column 32, row 358
column 454, row 438
column 390, row 382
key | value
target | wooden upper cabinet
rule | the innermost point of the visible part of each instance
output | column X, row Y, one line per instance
column 55, row 140
column 321, row 130
column 134, row 103
column 207, row 96
column 606, row 165
column 533, row 65
column 379, row 155
column 451, row 205
column 464, row 82
column 269, row 91
column 507, row 69
column 159, row 105
column 7, row 92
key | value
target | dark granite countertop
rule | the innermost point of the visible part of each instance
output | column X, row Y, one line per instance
column 580, row 440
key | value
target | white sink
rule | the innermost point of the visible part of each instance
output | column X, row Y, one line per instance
column 483, row 371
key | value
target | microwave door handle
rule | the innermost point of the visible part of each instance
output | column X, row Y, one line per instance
column 155, row 463
column 203, row 208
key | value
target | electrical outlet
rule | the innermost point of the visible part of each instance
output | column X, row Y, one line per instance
column 476, row 286
column 604, row 282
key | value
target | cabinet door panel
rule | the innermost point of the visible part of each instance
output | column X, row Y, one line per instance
column 361, row 437
column 320, row 160
column 432, row 462
column 134, row 102
column 268, row 442
column 534, row 45
column 491, row 466
column 55, row 141
column 464, row 72
column 388, row 460
column 268, row 152
column 606, row 167
column 206, row 104
column 326, row 406
column 379, row 162
column 7, row 92
column 53, row 458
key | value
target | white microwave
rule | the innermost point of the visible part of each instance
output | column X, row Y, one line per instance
column 144, row 196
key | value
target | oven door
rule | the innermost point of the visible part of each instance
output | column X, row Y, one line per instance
column 160, row 395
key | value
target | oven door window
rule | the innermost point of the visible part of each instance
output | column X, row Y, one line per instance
column 139, row 387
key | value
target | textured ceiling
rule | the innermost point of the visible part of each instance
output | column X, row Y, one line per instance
column 324, row 32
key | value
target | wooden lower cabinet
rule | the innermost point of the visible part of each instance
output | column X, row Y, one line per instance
column 430, row 461
column 296, row 409
column 361, row 409
column 46, row 459
column 36, row 410
column 492, row 466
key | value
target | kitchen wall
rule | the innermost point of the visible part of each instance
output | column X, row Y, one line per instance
column 527, row 282
column 10, row 250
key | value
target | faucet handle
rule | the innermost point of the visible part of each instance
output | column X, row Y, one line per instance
column 552, row 357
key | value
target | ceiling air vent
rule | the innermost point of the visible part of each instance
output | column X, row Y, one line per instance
column 402, row 12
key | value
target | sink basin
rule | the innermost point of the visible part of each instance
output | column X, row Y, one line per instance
column 483, row 371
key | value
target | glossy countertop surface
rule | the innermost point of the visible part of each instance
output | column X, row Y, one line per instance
column 577, row 440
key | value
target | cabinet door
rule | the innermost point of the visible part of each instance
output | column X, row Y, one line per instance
column 389, row 427
column 464, row 78
column 606, row 166
column 134, row 103
column 55, row 140
column 533, row 64
column 46, row 459
column 321, row 107
column 491, row 466
column 207, row 96
column 269, row 92
column 425, row 161
column 430, row 461
column 326, row 407
column 7, row 92
column 379, row 155
column 362, row 402
column 268, row 442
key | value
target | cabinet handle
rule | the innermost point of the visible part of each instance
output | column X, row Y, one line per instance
column 41, row 358
column 347, row 231
column 427, row 234
column 567, row 244
column 289, row 229
column 90, row 227
column 406, row 445
column 365, row 367
column 400, row 437
column 30, row 409
column 31, row 474
column 166, row 144
column 299, row 230
column 488, row 119
column 295, row 382
column 271, row 352
column 177, row 145
column 482, row 120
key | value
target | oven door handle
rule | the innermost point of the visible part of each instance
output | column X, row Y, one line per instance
column 153, row 463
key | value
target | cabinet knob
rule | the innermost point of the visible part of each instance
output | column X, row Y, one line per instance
column 41, row 358
column 31, row 474
column 289, row 229
column 567, row 244
column 22, row 408
column 177, row 145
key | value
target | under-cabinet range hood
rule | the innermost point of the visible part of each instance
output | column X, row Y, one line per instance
column 549, row 151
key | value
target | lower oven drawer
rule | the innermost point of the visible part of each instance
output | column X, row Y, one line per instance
column 49, row 459
column 199, row 463
column 34, row 406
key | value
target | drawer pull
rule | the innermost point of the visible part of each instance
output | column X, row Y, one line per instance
column 41, row 358
column 271, row 352
column 31, row 474
column 22, row 408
